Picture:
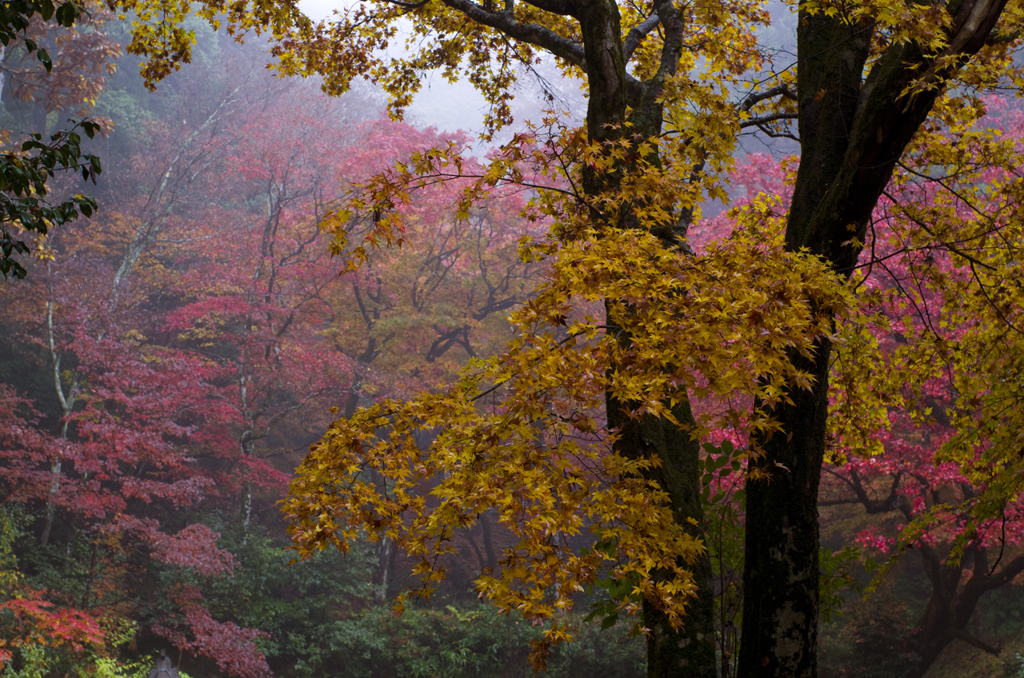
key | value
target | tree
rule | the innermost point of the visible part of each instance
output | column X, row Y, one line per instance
column 110, row 455
column 601, row 53
column 868, row 78
column 71, row 81
column 164, row 363
column 945, row 468
column 24, row 175
column 23, row 189
column 929, row 331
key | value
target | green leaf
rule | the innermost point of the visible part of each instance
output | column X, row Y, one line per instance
column 67, row 13
column 46, row 9
column 44, row 59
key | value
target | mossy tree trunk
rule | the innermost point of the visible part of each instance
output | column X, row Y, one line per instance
column 688, row 651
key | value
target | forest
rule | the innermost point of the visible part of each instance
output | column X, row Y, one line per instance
column 724, row 379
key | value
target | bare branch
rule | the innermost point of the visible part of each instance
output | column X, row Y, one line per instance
column 981, row 645
column 757, row 122
column 1005, row 575
column 838, row 502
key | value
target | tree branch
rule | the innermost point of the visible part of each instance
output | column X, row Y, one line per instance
column 408, row 5
column 1009, row 572
column 672, row 49
column 761, row 120
column 562, row 7
column 838, row 502
column 981, row 645
column 540, row 36
column 638, row 33
column 755, row 98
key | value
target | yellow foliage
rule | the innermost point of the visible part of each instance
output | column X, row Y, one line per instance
column 522, row 434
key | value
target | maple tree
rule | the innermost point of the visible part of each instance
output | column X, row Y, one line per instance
column 116, row 461
column 750, row 320
column 868, row 77
column 932, row 330
column 84, row 56
column 948, row 454
column 177, row 349
column 109, row 447
column 28, row 622
column 285, row 332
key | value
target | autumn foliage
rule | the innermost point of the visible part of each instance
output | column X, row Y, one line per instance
column 550, row 353
column 175, row 353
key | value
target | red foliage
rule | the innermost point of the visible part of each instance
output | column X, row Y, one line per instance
column 184, row 341
column 37, row 621
column 195, row 548
column 233, row 648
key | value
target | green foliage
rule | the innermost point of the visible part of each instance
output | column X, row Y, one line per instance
column 471, row 642
column 23, row 189
column 322, row 612
column 298, row 604
column 117, row 667
column 32, row 661
column 724, row 501
column 874, row 643
column 1015, row 667
column 10, row 531
column 16, row 15
column 617, row 589
column 837, row 568
column 597, row 652
column 23, row 176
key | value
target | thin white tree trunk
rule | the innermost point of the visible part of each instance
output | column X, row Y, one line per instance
column 67, row 404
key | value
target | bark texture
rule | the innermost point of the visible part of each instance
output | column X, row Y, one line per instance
column 688, row 651
column 853, row 131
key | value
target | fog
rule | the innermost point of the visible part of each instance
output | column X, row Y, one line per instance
column 262, row 279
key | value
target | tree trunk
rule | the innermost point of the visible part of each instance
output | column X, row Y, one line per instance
column 951, row 606
column 67, row 406
column 690, row 650
column 381, row 577
column 853, row 131
column 780, row 577
column 51, row 501
column 492, row 556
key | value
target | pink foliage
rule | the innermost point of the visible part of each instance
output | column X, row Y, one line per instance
column 232, row 647
column 903, row 280
column 195, row 548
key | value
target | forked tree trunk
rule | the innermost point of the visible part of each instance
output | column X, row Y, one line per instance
column 953, row 603
column 852, row 133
